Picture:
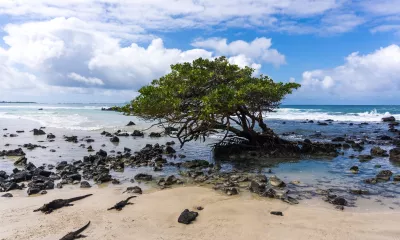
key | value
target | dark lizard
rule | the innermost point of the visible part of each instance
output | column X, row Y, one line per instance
column 59, row 203
column 122, row 204
column 76, row 234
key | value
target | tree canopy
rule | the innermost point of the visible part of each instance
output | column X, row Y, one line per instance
column 209, row 96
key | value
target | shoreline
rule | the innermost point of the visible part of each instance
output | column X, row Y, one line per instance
column 154, row 216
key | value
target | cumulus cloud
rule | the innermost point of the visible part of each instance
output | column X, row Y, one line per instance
column 259, row 49
column 70, row 53
column 373, row 74
column 167, row 14
column 82, row 79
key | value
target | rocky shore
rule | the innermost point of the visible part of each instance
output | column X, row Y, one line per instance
column 101, row 166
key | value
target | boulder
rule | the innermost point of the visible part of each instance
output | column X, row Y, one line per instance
column 33, row 190
column 51, row 136
column 257, row 187
column 394, row 154
column 22, row 161
column 231, row 191
column 187, row 216
column 169, row 150
column 130, row 124
column 114, row 139
column 73, row 139
column 377, row 151
column 384, row 175
column 340, row 201
column 143, row 177
column 196, row 164
column 38, row 132
column 102, row 153
column 389, row 119
column 137, row 133
column 12, row 153
column 7, row 195
column 396, row 178
column 276, row 182
column 134, row 189
column 154, row 134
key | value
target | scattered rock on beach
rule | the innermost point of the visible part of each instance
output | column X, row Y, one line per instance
column 155, row 135
column 196, row 164
column 276, row 182
column 85, row 184
column 38, row 132
column 354, row 169
column 377, row 151
column 394, row 154
column 143, row 177
column 276, row 213
column 389, row 119
column 7, row 195
column 134, row 189
column 12, row 153
column 51, row 136
column 130, row 124
column 137, row 133
column 384, row 175
column 114, row 139
column 187, row 216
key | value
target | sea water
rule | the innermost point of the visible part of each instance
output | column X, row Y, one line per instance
column 85, row 120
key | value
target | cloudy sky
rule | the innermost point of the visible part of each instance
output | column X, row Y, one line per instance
column 341, row 51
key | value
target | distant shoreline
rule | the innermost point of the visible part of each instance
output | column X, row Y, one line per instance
column 16, row 102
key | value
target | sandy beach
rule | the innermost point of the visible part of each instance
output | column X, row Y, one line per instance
column 154, row 216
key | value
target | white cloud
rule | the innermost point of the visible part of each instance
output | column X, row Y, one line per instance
column 69, row 55
column 89, row 81
column 372, row 74
column 258, row 49
column 169, row 15
column 382, row 7
column 292, row 80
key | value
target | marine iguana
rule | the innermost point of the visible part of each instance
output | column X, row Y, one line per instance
column 59, row 203
column 122, row 204
column 76, row 234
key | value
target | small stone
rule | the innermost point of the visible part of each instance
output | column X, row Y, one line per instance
column 85, row 184
column 7, row 195
column 134, row 189
column 187, row 216
column 43, row 192
column 354, row 169
column 130, row 124
column 277, row 213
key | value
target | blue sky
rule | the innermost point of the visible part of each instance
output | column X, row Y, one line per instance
column 341, row 51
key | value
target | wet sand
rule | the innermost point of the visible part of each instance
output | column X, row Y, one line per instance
column 154, row 216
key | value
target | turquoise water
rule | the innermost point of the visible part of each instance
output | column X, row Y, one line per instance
column 87, row 120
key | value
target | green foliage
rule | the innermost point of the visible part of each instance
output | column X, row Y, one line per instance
column 206, row 95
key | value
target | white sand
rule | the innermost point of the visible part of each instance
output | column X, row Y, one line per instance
column 154, row 216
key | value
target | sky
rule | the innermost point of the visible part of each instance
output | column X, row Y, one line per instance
column 340, row 51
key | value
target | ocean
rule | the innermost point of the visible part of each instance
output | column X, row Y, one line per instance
column 85, row 120
column 82, row 116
